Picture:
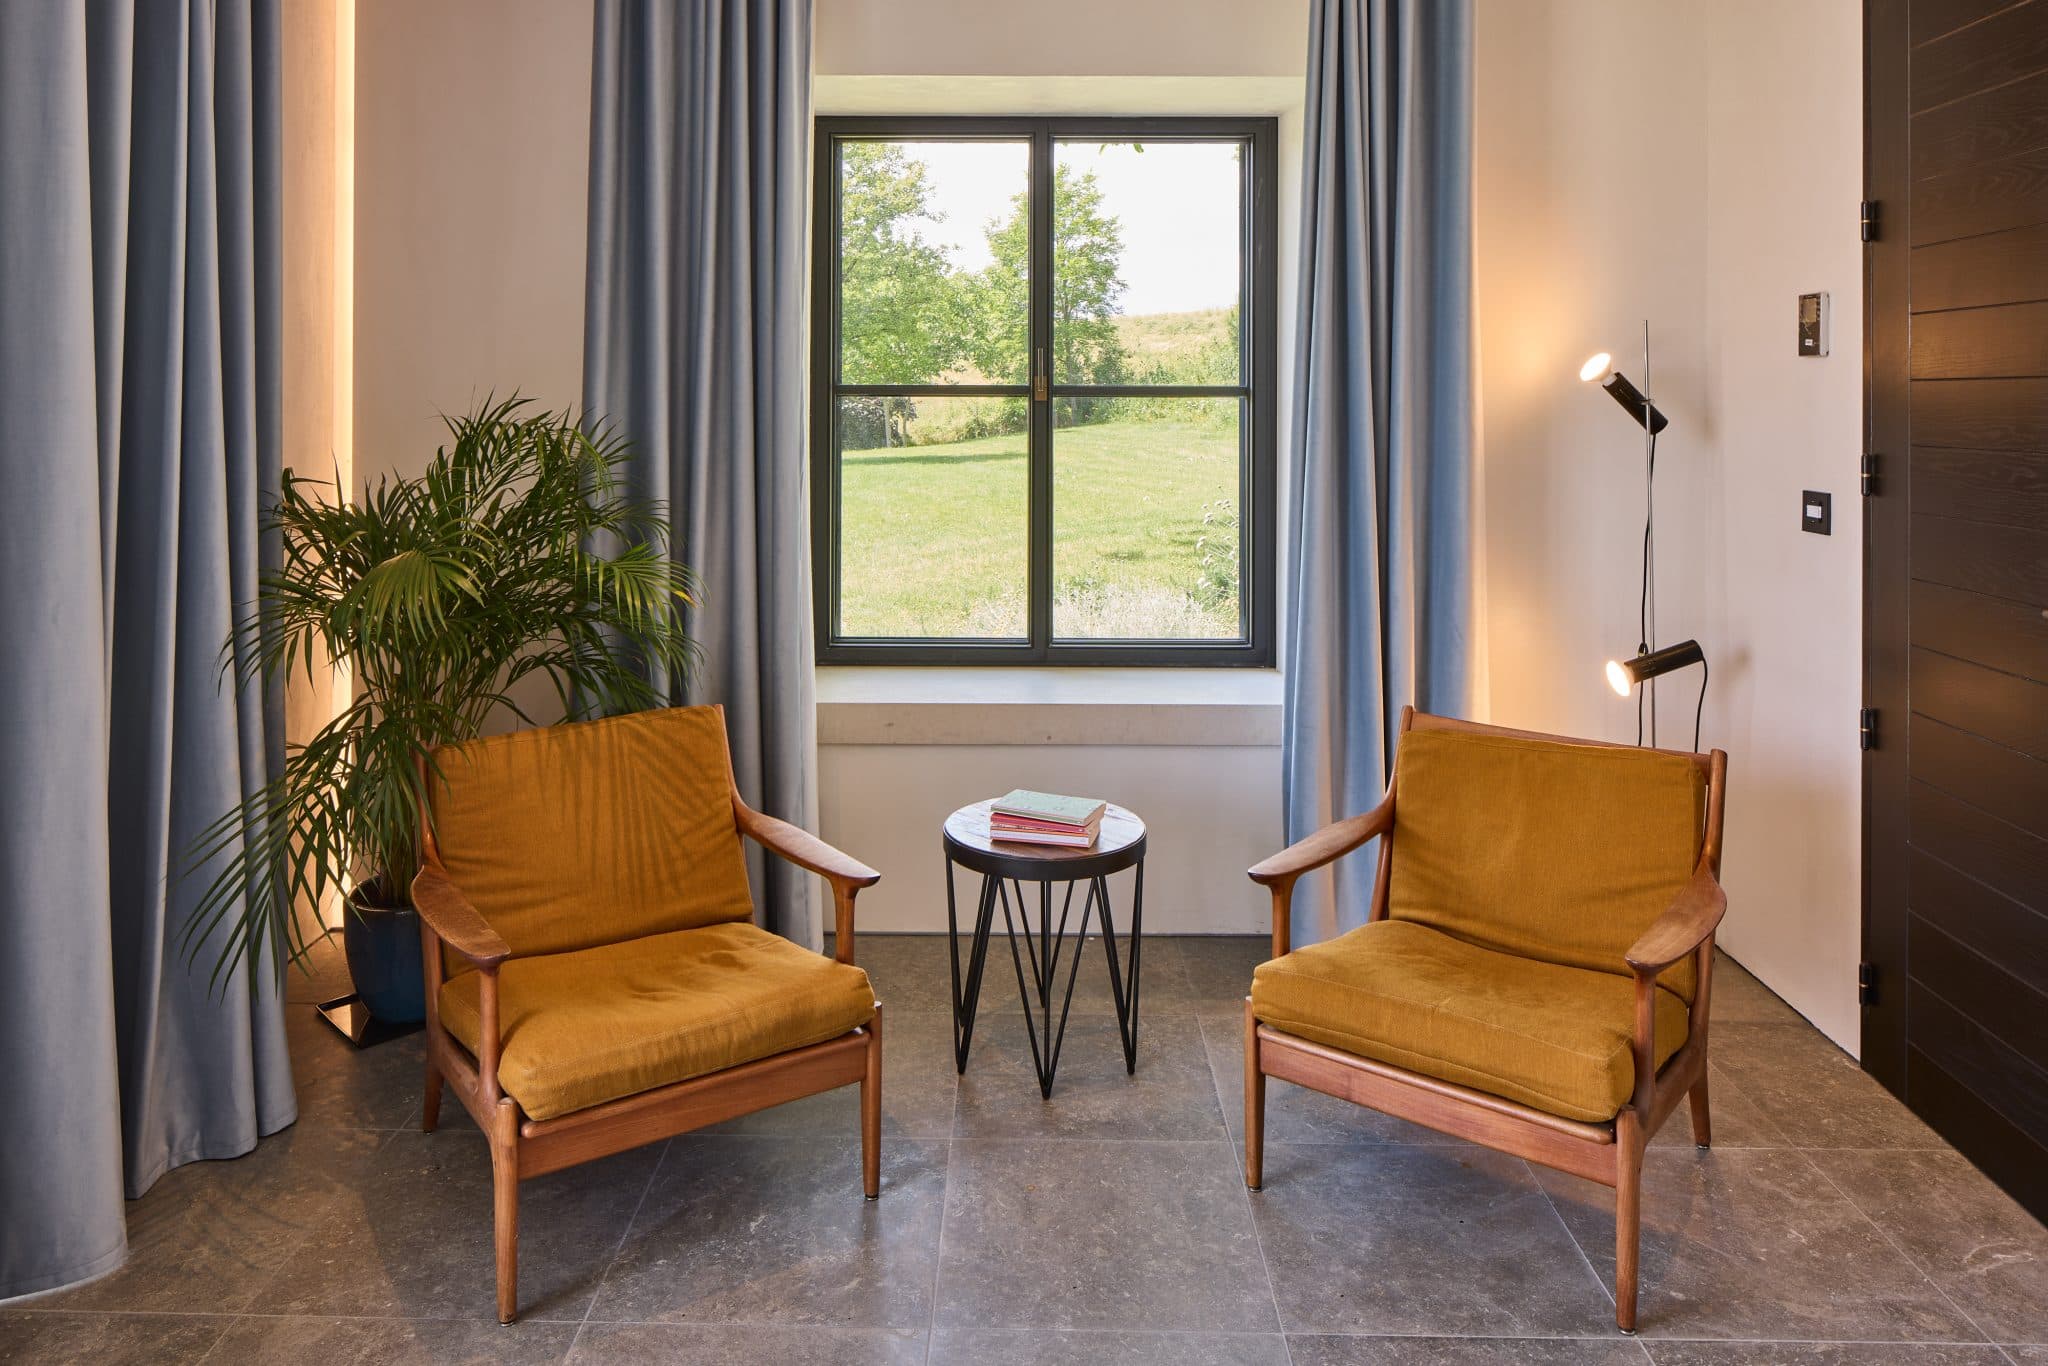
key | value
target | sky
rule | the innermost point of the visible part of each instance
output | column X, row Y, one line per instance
column 1177, row 204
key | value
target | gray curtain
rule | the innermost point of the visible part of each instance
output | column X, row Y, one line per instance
column 694, row 347
column 139, row 430
column 1379, row 580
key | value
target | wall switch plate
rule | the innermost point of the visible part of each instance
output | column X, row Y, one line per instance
column 1813, row 324
column 1817, row 513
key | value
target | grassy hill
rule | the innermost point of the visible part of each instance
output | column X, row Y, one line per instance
column 1180, row 348
column 1144, row 534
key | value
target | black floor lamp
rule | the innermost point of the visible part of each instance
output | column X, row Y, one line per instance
column 1639, row 674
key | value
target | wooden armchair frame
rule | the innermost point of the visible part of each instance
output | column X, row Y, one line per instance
column 1610, row 1153
column 522, row 1147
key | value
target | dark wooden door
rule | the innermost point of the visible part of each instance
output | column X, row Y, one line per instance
column 1956, row 574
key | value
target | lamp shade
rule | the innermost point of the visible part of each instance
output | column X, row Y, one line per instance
column 1599, row 369
column 1626, row 675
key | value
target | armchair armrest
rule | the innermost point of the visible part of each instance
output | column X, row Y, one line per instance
column 1685, row 924
column 1278, row 873
column 803, row 848
column 846, row 873
column 1326, row 845
column 449, row 915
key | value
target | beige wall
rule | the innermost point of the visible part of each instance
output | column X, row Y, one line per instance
column 1070, row 38
column 1784, row 177
column 472, row 147
column 1697, row 166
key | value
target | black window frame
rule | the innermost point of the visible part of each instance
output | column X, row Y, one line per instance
column 1258, row 430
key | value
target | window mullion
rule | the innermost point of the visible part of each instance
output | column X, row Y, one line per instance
column 1040, row 364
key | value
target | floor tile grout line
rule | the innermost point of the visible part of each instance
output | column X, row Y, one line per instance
column 1899, row 1248
column 1585, row 1258
column 618, row 1248
column 218, row 1339
column 931, row 1332
column 1028, row 1329
column 1245, row 1194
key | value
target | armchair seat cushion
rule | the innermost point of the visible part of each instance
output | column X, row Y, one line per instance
column 1552, row 1037
column 596, row 1024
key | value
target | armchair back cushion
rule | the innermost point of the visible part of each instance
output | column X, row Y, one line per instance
column 594, row 832
column 1552, row 851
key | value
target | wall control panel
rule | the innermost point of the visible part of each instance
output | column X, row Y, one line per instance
column 1813, row 324
column 1817, row 512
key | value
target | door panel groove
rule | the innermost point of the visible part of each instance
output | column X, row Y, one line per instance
column 2003, row 48
column 1982, row 414
column 2002, row 1005
column 2005, row 267
column 1981, row 557
column 2006, row 488
column 1972, row 913
column 2000, row 341
column 1934, row 20
column 1993, row 124
column 1974, row 1057
column 2010, row 192
column 2005, row 782
column 2007, row 859
column 2003, row 707
column 2009, row 636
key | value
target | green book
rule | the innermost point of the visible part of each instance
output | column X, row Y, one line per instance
column 1047, row 806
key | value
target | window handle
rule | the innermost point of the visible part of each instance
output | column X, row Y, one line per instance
column 1038, row 390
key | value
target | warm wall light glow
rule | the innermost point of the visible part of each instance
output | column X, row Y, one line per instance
column 1596, row 367
column 1618, row 679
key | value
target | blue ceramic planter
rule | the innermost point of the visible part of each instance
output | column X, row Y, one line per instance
column 383, row 945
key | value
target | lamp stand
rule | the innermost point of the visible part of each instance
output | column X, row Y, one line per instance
column 1647, row 614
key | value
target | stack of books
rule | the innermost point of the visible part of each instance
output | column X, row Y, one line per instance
column 1024, row 817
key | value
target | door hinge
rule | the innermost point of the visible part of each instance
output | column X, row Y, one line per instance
column 1866, row 984
column 1868, row 224
column 1866, row 729
column 1868, row 471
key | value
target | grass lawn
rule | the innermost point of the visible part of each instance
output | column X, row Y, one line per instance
column 1144, row 534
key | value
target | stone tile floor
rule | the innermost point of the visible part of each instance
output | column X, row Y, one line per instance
column 1827, row 1226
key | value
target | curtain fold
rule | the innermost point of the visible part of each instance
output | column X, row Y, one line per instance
column 1380, row 577
column 139, row 401
column 694, row 328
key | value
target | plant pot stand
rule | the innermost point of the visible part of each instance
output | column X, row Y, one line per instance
column 353, row 1019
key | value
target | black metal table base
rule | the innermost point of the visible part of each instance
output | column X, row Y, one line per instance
column 1037, row 963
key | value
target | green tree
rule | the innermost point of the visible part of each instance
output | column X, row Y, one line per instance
column 1087, row 252
column 900, row 300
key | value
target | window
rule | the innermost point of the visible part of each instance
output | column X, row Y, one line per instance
column 1043, row 417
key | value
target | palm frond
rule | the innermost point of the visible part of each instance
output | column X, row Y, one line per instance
column 518, row 551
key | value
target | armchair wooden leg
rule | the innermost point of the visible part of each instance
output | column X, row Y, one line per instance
column 1628, row 1215
column 1254, row 1104
column 430, row 1111
column 505, row 1201
column 1702, row 1126
column 871, row 1112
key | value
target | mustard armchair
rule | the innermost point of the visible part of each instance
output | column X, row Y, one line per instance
column 594, row 977
column 1534, row 972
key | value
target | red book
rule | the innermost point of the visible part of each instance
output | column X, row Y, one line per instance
column 1001, row 821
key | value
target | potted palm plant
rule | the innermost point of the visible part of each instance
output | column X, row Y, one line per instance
column 514, row 572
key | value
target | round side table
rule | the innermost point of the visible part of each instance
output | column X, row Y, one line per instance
column 1005, row 867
